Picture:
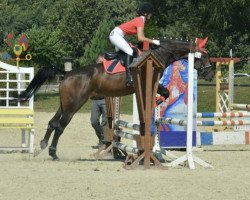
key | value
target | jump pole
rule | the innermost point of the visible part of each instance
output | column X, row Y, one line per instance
column 189, row 158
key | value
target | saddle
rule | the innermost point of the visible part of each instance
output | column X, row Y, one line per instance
column 113, row 62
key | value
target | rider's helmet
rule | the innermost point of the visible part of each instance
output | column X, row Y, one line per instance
column 146, row 7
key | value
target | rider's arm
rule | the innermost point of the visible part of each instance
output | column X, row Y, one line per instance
column 142, row 38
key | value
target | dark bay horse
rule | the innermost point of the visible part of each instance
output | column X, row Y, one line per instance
column 83, row 83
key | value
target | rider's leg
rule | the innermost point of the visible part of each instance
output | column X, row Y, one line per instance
column 129, row 60
column 117, row 39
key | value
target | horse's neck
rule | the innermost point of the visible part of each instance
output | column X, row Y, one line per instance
column 170, row 53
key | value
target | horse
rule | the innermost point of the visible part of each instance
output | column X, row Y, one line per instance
column 89, row 81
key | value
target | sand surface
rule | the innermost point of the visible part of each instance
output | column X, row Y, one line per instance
column 78, row 176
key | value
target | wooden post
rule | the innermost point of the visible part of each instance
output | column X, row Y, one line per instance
column 146, row 73
column 148, row 113
column 109, row 130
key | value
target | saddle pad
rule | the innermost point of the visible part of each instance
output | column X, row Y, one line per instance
column 113, row 66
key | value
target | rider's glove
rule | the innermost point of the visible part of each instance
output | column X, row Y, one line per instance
column 156, row 42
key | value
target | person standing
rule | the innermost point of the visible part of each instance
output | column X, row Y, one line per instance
column 98, row 118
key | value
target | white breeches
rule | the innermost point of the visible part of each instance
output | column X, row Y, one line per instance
column 117, row 39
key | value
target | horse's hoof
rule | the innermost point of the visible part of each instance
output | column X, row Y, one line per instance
column 55, row 158
column 52, row 153
column 43, row 144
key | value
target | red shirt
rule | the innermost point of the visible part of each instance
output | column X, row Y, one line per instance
column 130, row 27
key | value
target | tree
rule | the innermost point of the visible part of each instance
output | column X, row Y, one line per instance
column 18, row 16
column 46, row 47
column 99, row 43
column 79, row 24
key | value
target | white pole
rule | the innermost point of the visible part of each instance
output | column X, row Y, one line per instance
column 190, row 110
column 230, row 85
column 135, row 117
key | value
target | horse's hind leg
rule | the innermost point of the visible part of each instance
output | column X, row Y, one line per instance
column 69, row 109
column 53, row 123
column 73, row 94
column 63, row 122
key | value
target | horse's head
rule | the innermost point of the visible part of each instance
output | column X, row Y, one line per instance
column 201, row 62
column 171, row 50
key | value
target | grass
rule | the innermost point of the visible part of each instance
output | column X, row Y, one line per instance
column 49, row 102
column 207, row 99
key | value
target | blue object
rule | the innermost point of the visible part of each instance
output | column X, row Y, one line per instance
column 206, row 138
column 175, row 139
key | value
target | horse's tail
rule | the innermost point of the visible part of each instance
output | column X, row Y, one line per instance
column 44, row 74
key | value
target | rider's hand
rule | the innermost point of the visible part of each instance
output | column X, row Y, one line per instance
column 156, row 42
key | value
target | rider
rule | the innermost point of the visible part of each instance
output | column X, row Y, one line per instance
column 132, row 27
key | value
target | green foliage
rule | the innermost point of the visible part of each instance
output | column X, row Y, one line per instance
column 74, row 24
column 118, row 11
column 112, row 17
column 46, row 46
column 54, row 13
column 151, row 31
column 99, row 43
column 79, row 24
column 18, row 16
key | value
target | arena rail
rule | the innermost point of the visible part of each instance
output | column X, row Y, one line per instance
column 222, row 115
column 204, row 123
column 20, row 118
column 13, row 114
column 241, row 107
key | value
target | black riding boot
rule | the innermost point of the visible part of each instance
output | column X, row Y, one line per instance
column 129, row 60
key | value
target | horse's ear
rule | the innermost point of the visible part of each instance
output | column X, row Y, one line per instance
column 200, row 42
column 203, row 43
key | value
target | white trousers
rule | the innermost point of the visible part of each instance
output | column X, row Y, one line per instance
column 116, row 37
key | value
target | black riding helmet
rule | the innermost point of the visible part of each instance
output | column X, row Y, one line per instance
column 145, row 8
